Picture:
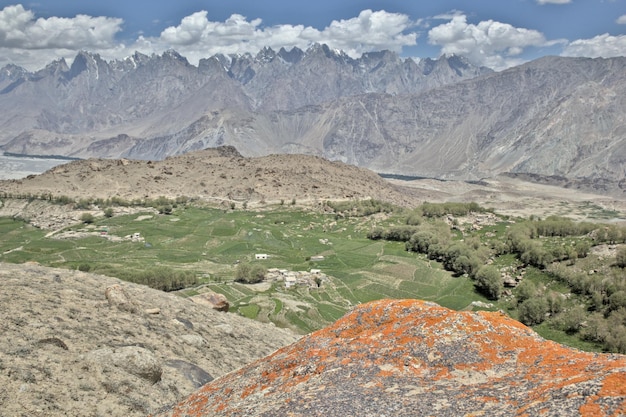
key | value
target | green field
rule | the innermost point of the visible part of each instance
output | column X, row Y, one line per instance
column 210, row 242
column 567, row 294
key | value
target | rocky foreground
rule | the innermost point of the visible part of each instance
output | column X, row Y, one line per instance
column 79, row 344
column 414, row 358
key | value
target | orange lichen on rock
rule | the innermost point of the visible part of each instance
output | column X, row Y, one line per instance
column 410, row 357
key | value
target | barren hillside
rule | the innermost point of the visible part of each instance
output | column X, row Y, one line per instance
column 66, row 350
column 214, row 175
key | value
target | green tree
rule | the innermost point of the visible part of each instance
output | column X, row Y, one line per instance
column 87, row 218
column 571, row 320
column 533, row 311
column 525, row 290
column 489, row 282
column 242, row 272
column 620, row 257
column 250, row 274
column 617, row 300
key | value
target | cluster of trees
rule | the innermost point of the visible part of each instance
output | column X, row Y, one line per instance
column 163, row 204
column 469, row 256
column 161, row 278
column 602, row 316
column 455, row 209
column 360, row 208
column 250, row 273
column 435, row 239
column 597, row 313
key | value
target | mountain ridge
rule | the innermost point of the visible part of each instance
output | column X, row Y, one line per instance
column 439, row 118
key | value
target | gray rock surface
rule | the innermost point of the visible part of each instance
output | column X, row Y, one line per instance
column 65, row 351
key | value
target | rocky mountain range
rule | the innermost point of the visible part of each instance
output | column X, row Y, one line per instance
column 414, row 358
column 444, row 118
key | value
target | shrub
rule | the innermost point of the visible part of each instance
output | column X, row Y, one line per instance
column 108, row 212
column 525, row 290
column 533, row 311
column 250, row 274
column 620, row 257
column 489, row 282
column 166, row 209
column 87, row 218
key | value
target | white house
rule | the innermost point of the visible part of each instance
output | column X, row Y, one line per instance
column 261, row 256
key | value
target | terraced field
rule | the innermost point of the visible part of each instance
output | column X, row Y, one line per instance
column 209, row 243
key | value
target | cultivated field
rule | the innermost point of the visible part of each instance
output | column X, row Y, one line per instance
column 209, row 243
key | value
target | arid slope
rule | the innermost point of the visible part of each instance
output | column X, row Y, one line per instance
column 218, row 174
column 66, row 351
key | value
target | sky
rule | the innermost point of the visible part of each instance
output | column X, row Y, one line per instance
column 492, row 33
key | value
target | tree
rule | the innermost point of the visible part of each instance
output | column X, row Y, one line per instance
column 257, row 274
column 621, row 257
column 87, row 218
column 570, row 321
column 243, row 272
column 250, row 274
column 533, row 311
column 582, row 248
column 617, row 300
column 489, row 282
column 525, row 291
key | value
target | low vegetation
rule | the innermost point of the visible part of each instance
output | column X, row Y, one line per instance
column 559, row 288
column 546, row 273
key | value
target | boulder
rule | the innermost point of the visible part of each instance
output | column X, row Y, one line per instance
column 133, row 360
column 193, row 373
column 212, row 299
column 415, row 358
column 117, row 297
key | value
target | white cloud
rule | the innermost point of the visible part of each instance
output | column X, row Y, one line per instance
column 621, row 20
column 604, row 46
column 33, row 43
column 489, row 43
column 553, row 1
column 19, row 29
column 369, row 31
column 196, row 36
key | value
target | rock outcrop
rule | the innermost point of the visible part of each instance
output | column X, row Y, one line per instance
column 212, row 299
column 66, row 349
column 413, row 358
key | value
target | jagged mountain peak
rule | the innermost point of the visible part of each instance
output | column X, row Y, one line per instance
column 265, row 55
column 318, row 49
column 292, row 56
column 173, row 55
column 85, row 61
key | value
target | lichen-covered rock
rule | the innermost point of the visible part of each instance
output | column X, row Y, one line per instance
column 411, row 358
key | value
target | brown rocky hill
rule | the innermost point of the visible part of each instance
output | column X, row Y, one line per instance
column 78, row 344
column 217, row 174
column 413, row 358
